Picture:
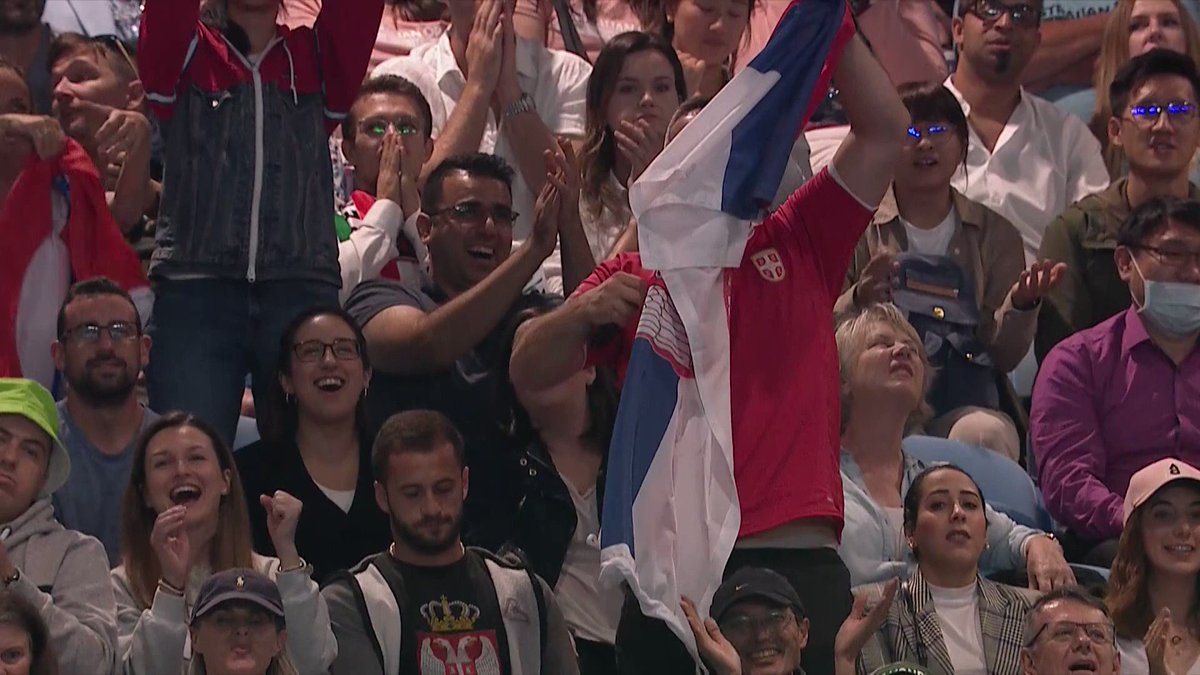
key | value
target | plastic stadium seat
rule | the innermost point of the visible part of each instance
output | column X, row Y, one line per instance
column 1005, row 485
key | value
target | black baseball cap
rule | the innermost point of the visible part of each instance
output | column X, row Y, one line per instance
column 238, row 584
column 756, row 583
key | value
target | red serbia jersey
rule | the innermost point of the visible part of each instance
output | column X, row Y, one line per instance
column 785, row 388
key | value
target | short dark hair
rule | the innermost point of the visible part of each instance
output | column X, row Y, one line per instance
column 912, row 498
column 92, row 287
column 414, row 431
column 1152, row 216
column 1140, row 68
column 396, row 86
column 1075, row 594
column 111, row 49
column 473, row 164
column 933, row 102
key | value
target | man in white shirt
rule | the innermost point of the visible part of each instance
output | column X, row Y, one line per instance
column 1026, row 160
column 490, row 91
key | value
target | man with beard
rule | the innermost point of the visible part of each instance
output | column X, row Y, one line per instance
column 100, row 350
column 1026, row 159
column 428, row 604
column 25, row 42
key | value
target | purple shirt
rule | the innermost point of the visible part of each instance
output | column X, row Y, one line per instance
column 1108, row 402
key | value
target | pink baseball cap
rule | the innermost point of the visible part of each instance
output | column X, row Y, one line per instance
column 1152, row 478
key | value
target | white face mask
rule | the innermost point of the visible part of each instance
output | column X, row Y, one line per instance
column 1174, row 307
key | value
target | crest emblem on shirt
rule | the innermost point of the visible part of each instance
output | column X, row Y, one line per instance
column 473, row 653
column 769, row 264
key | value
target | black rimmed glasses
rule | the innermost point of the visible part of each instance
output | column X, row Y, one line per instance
column 990, row 11
column 1099, row 634
column 476, row 213
column 89, row 333
column 311, row 351
column 1178, row 112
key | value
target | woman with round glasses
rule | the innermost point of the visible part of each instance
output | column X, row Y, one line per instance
column 968, row 241
column 315, row 445
column 1154, row 590
column 946, row 617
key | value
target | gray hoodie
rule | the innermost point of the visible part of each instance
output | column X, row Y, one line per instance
column 155, row 641
column 64, row 574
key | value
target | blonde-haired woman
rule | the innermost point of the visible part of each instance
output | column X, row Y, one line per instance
column 885, row 375
column 185, row 518
column 1135, row 27
column 1154, row 590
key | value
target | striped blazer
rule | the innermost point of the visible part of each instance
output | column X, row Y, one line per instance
column 911, row 632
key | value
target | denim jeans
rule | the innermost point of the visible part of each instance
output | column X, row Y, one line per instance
column 209, row 333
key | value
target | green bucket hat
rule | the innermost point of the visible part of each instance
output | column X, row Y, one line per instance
column 29, row 399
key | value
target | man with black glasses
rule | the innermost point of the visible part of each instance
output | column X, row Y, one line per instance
column 1026, row 160
column 1154, row 99
column 1068, row 631
column 443, row 346
column 100, row 351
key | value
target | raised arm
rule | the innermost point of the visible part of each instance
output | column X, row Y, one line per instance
column 405, row 340
column 866, row 161
column 551, row 348
column 346, row 32
column 164, row 43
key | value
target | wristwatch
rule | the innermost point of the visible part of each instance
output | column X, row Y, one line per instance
column 521, row 105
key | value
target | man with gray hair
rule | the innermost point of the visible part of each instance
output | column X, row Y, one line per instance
column 1067, row 631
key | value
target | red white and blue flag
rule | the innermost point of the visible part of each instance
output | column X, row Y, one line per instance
column 56, row 229
column 671, row 515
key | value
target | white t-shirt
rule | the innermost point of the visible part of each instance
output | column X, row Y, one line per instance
column 958, row 616
column 935, row 241
column 344, row 499
column 591, row 611
column 1133, row 659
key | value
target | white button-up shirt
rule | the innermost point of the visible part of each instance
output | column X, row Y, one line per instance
column 1044, row 161
column 556, row 80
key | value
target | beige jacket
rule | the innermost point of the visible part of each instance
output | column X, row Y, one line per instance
column 986, row 245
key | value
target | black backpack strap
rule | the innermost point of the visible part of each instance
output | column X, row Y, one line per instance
column 566, row 25
column 541, row 608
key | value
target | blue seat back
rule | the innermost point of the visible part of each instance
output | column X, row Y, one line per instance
column 1005, row 485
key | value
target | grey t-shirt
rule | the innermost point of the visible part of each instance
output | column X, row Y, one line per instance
column 90, row 501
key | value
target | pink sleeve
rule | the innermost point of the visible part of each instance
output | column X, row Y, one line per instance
column 297, row 13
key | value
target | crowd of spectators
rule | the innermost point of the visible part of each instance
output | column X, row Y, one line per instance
column 317, row 316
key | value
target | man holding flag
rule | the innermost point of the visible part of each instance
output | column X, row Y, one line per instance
column 725, row 452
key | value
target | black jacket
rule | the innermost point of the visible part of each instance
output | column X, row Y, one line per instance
column 327, row 538
column 546, row 519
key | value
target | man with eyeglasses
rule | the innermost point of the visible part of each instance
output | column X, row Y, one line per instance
column 1155, row 123
column 443, row 346
column 1068, row 631
column 1125, row 393
column 100, row 351
column 758, row 625
column 1026, row 159
column 386, row 137
column 99, row 101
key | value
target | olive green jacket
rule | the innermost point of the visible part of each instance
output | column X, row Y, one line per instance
column 1085, row 237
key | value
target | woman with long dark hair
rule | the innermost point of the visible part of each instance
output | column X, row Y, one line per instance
column 637, row 83
column 568, row 426
column 184, row 519
column 705, row 33
column 1153, row 592
column 317, row 447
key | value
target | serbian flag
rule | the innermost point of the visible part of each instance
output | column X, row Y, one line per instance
column 670, row 515
column 56, row 229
